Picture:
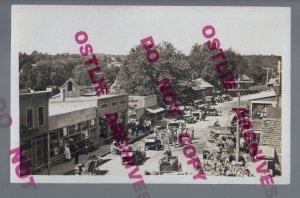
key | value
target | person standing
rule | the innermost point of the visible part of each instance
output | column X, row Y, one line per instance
column 76, row 154
column 67, row 153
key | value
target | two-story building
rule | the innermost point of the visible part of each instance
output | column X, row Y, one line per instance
column 34, row 127
column 146, row 107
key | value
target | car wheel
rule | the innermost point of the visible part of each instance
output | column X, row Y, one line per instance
column 157, row 148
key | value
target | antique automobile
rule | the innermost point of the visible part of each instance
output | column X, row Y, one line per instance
column 203, row 107
column 198, row 102
column 211, row 111
column 176, row 124
column 153, row 143
column 189, row 118
column 91, row 167
column 169, row 164
column 198, row 115
column 226, row 97
column 135, row 157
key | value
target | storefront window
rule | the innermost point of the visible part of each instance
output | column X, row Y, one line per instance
column 53, row 135
column 71, row 129
column 61, row 132
column 93, row 133
column 65, row 131
column 92, row 122
column 54, row 148
column 85, row 125
column 259, row 111
column 78, row 127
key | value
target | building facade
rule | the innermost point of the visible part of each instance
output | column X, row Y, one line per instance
column 146, row 107
column 79, row 118
column 70, row 128
column 34, row 127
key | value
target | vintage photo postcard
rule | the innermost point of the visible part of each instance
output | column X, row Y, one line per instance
column 150, row 94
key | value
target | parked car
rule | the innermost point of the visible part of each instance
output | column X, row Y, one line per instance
column 226, row 97
column 189, row 118
column 136, row 157
column 197, row 114
column 212, row 111
column 153, row 143
column 198, row 102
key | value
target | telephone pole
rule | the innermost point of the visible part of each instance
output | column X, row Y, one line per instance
column 267, row 68
column 238, row 90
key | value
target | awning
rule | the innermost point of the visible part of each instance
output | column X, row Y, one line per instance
column 155, row 109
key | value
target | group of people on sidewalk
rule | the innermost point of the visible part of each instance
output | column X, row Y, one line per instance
column 68, row 155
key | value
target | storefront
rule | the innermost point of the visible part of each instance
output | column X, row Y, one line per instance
column 70, row 135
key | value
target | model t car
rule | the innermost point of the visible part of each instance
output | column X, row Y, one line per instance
column 211, row 111
column 169, row 164
column 153, row 143
column 136, row 157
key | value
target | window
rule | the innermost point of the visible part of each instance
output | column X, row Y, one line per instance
column 41, row 116
column 54, row 135
column 85, row 125
column 78, row 127
column 122, row 102
column 70, row 86
column 104, row 106
column 29, row 117
column 71, row 129
column 114, row 103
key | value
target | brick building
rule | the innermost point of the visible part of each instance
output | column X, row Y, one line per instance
column 271, row 131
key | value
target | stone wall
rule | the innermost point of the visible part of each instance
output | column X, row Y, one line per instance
column 271, row 135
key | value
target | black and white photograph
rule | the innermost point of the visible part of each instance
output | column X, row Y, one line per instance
column 158, row 94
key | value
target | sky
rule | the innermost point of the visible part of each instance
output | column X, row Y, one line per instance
column 116, row 29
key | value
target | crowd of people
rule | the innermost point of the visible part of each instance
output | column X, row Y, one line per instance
column 138, row 126
column 225, row 165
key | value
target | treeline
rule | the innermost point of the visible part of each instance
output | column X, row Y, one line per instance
column 39, row 71
column 134, row 74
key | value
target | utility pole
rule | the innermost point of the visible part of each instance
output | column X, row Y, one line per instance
column 267, row 68
column 237, row 135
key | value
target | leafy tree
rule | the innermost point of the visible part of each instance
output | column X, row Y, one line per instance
column 203, row 65
column 139, row 76
column 256, row 71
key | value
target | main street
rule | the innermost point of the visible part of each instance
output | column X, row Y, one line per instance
column 115, row 167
